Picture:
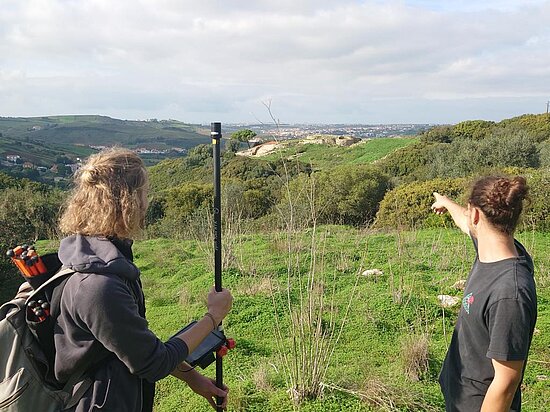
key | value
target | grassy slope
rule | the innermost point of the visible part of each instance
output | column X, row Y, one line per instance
column 426, row 263
column 59, row 135
column 172, row 172
column 322, row 156
column 97, row 130
column 36, row 152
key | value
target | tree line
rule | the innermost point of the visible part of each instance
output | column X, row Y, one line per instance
column 392, row 192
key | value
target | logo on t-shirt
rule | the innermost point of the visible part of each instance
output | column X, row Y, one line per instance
column 467, row 301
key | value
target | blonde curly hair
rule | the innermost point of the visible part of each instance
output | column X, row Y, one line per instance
column 110, row 196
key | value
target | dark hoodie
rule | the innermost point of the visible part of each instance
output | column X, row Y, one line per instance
column 103, row 305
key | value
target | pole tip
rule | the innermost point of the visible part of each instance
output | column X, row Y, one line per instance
column 216, row 129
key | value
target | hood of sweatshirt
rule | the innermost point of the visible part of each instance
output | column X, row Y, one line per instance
column 87, row 254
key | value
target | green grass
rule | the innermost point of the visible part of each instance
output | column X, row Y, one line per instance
column 416, row 265
column 324, row 156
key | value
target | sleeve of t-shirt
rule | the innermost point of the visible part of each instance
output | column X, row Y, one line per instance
column 509, row 322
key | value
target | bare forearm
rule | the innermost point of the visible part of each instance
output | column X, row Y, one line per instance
column 457, row 212
column 184, row 372
column 499, row 397
column 194, row 336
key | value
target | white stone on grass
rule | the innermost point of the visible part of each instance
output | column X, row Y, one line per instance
column 447, row 301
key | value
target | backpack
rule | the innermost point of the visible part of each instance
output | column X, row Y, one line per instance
column 27, row 348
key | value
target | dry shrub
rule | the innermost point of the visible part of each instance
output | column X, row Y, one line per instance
column 315, row 325
column 344, row 263
column 415, row 356
column 185, row 298
column 543, row 273
column 386, row 397
column 308, row 301
column 200, row 228
column 253, row 286
column 281, row 244
column 262, row 379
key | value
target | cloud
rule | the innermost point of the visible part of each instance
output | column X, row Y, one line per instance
column 315, row 59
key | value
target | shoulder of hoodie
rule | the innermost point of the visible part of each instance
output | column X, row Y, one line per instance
column 94, row 288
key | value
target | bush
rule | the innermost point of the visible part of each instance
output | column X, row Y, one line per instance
column 537, row 125
column 7, row 270
column 244, row 168
column 170, row 213
column 344, row 195
column 473, row 129
column 438, row 134
column 458, row 159
column 536, row 214
column 28, row 211
column 468, row 157
column 408, row 206
column 409, row 160
column 544, row 154
column 505, row 149
column 351, row 194
column 197, row 166
column 156, row 210
column 256, row 203
column 468, row 130
column 245, row 200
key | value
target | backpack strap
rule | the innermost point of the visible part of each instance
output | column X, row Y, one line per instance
column 42, row 288
column 79, row 379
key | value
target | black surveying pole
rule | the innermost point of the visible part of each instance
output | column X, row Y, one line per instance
column 216, row 134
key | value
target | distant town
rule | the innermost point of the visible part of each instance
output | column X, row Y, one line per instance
column 300, row 131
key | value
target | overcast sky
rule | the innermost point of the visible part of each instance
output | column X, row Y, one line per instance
column 317, row 61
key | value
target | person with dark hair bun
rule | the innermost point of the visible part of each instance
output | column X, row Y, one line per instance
column 486, row 360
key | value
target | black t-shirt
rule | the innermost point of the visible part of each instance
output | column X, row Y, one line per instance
column 496, row 321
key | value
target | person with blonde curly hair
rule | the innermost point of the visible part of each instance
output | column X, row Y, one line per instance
column 110, row 196
column 102, row 326
column 487, row 356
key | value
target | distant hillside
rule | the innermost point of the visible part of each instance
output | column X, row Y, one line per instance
column 103, row 130
column 42, row 142
column 473, row 147
column 73, row 135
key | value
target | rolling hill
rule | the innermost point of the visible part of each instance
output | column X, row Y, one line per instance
column 41, row 140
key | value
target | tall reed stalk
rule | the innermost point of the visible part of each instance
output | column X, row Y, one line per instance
column 308, row 325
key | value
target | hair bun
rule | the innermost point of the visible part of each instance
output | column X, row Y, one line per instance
column 517, row 191
column 498, row 196
column 507, row 193
column 500, row 199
